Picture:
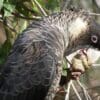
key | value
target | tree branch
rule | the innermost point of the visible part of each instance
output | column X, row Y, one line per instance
column 40, row 7
column 8, row 25
column 24, row 17
column 27, row 18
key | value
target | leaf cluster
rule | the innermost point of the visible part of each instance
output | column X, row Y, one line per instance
column 15, row 15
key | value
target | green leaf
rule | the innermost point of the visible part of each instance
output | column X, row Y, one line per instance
column 1, row 4
column 8, row 9
column 23, row 25
column 53, row 5
column 65, row 66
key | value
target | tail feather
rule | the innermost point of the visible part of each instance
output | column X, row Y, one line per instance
column 35, row 93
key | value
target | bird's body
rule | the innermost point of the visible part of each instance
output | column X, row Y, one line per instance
column 33, row 68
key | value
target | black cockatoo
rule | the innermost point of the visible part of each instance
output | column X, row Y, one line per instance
column 33, row 68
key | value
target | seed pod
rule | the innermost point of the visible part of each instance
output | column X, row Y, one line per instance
column 77, row 63
column 86, row 61
column 81, row 62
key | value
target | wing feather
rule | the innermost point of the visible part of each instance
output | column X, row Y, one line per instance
column 28, row 72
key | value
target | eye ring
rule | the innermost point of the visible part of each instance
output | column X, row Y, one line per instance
column 94, row 38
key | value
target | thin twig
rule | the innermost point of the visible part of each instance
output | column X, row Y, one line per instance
column 24, row 17
column 95, row 65
column 39, row 7
column 9, row 26
column 76, row 92
column 68, row 61
column 94, row 14
column 84, row 91
column 68, row 91
column 28, row 18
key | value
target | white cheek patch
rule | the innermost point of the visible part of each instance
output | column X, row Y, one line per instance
column 77, row 27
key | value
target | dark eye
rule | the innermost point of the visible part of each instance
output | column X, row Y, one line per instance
column 94, row 38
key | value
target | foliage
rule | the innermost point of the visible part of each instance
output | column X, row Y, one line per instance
column 17, row 14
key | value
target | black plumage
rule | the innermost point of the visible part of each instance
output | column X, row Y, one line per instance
column 33, row 68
